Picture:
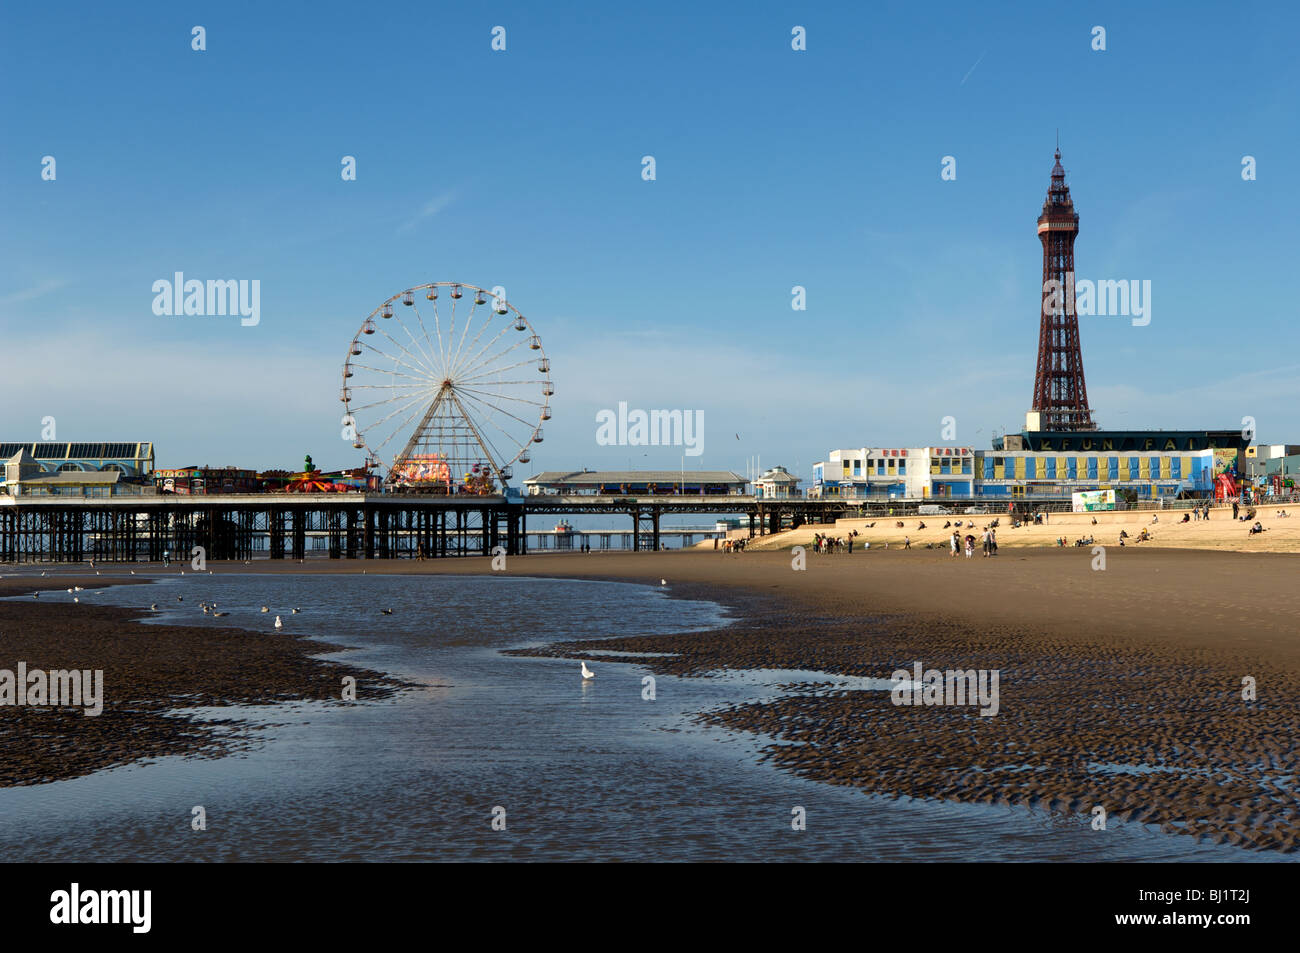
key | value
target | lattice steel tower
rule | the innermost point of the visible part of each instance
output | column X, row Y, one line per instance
column 1060, row 395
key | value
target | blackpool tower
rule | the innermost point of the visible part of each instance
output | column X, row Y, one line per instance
column 1060, row 395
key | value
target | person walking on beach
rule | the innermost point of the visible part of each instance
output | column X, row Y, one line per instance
column 993, row 542
column 984, row 544
column 1234, row 509
column 970, row 545
column 955, row 542
column 907, row 542
column 167, row 557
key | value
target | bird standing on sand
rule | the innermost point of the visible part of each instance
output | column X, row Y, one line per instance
column 587, row 674
column 278, row 623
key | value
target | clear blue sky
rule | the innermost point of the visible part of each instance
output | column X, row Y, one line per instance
column 522, row 168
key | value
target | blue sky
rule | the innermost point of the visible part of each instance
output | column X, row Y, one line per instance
column 522, row 168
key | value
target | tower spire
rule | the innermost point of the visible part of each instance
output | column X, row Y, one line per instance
column 1060, row 393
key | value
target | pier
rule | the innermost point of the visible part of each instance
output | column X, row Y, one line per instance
column 146, row 527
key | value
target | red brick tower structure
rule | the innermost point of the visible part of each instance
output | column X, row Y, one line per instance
column 1060, row 395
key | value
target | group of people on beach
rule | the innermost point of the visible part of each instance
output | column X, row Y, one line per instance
column 988, row 543
column 824, row 544
column 1142, row 537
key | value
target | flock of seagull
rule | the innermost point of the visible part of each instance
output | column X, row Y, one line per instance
column 210, row 608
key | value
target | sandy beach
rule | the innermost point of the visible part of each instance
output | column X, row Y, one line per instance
column 1220, row 532
column 1119, row 688
column 153, row 674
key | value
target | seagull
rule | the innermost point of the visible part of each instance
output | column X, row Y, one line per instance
column 180, row 598
column 296, row 611
column 133, row 572
column 75, row 599
column 587, row 674
column 76, row 588
column 278, row 623
column 219, row 614
column 69, row 590
column 386, row 611
column 36, row 595
column 663, row 582
column 153, row 606
column 266, row 608
column 205, row 610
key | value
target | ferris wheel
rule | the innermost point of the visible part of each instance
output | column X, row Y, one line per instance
column 446, row 387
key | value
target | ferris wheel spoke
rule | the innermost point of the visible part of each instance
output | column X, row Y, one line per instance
column 420, row 381
column 527, row 405
column 428, row 371
column 437, row 330
column 382, row 403
column 485, row 383
column 425, row 332
column 469, row 319
column 402, row 426
column 500, row 458
column 489, row 396
column 418, row 346
column 497, row 409
column 483, row 326
column 499, row 370
column 417, row 401
column 425, row 384
column 483, row 441
column 451, row 331
column 421, row 372
column 493, row 358
column 469, row 363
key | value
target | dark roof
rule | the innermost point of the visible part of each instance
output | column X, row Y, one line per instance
column 594, row 477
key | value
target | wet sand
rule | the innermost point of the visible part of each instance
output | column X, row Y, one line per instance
column 1119, row 688
column 152, row 675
